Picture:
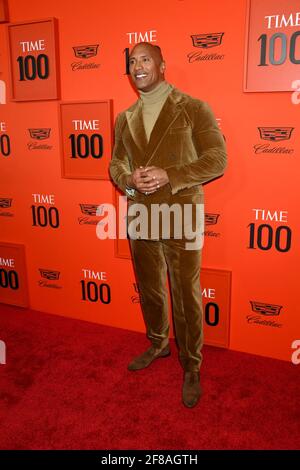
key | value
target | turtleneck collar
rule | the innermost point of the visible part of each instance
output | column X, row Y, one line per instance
column 157, row 94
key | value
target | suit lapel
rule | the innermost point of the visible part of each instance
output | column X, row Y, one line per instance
column 136, row 126
column 169, row 112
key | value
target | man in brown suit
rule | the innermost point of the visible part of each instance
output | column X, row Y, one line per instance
column 166, row 145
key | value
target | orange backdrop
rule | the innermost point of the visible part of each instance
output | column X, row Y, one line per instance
column 70, row 271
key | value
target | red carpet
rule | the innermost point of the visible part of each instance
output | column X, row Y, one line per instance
column 66, row 386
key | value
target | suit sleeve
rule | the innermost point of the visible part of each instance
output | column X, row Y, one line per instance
column 119, row 167
column 210, row 148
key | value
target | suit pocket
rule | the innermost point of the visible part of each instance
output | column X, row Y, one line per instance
column 180, row 130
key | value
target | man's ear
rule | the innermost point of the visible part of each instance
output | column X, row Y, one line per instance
column 163, row 66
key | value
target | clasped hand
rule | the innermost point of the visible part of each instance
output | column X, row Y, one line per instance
column 148, row 180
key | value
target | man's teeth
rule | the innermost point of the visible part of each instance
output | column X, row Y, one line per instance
column 142, row 75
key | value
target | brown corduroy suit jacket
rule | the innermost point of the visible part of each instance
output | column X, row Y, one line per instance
column 185, row 141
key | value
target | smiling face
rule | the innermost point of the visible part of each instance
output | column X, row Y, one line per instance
column 146, row 67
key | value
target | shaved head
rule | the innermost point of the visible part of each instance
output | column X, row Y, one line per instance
column 155, row 50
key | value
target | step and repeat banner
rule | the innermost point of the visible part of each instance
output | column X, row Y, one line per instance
column 63, row 80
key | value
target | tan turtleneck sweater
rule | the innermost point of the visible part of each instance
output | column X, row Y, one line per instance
column 152, row 102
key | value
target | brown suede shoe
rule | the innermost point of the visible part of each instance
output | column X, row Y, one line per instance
column 191, row 390
column 145, row 359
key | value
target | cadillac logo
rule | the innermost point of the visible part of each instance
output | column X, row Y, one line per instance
column 5, row 202
column 275, row 134
column 89, row 209
column 205, row 41
column 49, row 274
column 85, row 52
column 40, row 134
column 265, row 309
column 211, row 219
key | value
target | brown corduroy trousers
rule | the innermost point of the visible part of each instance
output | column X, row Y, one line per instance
column 152, row 260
